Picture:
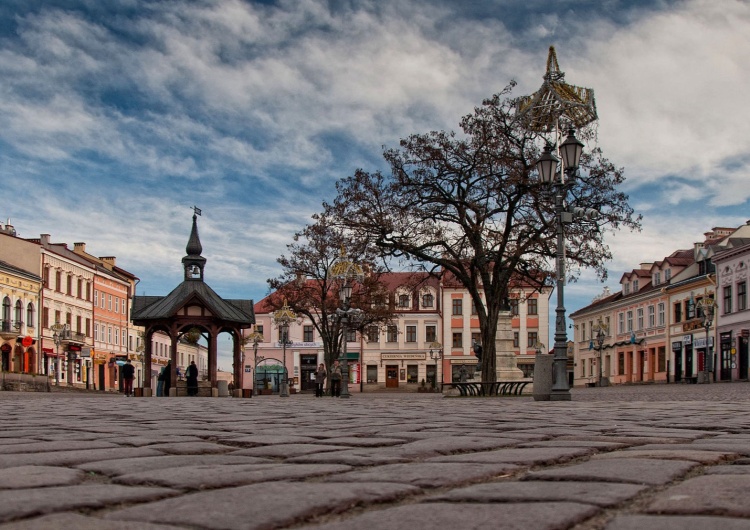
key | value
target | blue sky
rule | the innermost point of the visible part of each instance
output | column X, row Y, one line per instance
column 116, row 117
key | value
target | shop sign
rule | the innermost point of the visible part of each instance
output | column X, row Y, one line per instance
column 27, row 341
column 677, row 346
column 687, row 339
column 692, row 326
column 403, row 356
column 701, row 342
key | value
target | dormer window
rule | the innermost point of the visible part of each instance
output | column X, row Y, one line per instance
column 403, row 300
column 427, row 300
column 667, row 275
column 626, row 288
column 657, row 278
column 635, row 286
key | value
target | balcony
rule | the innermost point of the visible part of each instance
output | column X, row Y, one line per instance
column 73, row 336
column 10, row 328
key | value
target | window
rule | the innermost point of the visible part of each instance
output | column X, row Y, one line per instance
column 403, row 300
column 45, row 279
column 621, row 323
column 515, row 340
column 514, row 307
column 458, row 307
column 69, row 285
column 531, row 307
column 58, row 281
column 88, row 291
column 351, row 335
column 124, row 307
column 411, row 333
column 412, row 373
column 18, row 313
column 630, row 321
column 651, row 316
column 635, row 286
column 727, row 299
column 741, row 296
column 620, row 363
column 639, row 313
column 79, row 291
column 667, row 275
column 458, row 339
column 689, row 309
column 109, row 307
column 96, row 331
column 657, row 278
column 626, row 288
column 678, row 312
column 532, row 339
column 30, row 320
column 88, row 327
column 45, row 317
column 473, row 308
column 109, row 334
column 259, row 329
column 583, row 332
column 372, row 334
column 427, row 300
column 372, row 373
column 392, row 334
column 662, row 359
column 430, row 334
column 117, row 336
column 58, row 316
column 476, row 338
column 117, row 305
column 307, row 333
column 661, row 307
column 96, row 298
column 79, row 321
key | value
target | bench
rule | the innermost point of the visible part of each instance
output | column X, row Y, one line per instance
column 498, row 388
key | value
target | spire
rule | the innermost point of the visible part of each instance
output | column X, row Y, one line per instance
column 194, row 263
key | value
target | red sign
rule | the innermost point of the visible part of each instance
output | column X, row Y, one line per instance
column 27, row 341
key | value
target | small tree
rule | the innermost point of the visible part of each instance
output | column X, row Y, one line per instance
column 472, row 207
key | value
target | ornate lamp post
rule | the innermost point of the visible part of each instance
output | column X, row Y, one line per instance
column 570, row 151
column 436, row 354
column 282, row 318
column 601, row 332
column 707, row 307
column 60, row 331
column 347, row 272
column 255, row 338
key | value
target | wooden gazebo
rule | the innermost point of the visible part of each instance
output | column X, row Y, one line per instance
column 193, row 304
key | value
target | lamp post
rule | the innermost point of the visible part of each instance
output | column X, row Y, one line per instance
column 707, row 306
column 601, row 332
column 570, row 151
column 255, row 338
column 436, row 354
column 57, row 337
column 282, row 318
column 347, row 272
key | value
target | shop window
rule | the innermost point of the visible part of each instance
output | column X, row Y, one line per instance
column 412, row 373
column 372, row 373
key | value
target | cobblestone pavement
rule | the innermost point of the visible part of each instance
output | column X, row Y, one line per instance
column 619, row 458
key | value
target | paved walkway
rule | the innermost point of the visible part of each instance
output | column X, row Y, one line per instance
column 666, row 457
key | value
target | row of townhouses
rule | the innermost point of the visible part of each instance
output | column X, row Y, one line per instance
column 65, row 315
column 683, row 318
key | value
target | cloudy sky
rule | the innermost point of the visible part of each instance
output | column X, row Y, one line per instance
column 117, row 117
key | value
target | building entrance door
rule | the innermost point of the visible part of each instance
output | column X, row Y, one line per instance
column 308, row 366
column 688, row 361
column 391, row 376
column 742, row 354
column 101, row 377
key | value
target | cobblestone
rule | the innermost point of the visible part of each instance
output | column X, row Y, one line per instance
column 618, row 458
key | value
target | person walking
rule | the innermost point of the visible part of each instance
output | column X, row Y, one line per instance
column 336, row 379
column 128, row 374
column 192, row 379
column 167, row 378
column 320, row 378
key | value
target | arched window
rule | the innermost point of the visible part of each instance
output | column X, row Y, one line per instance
column 6, row 314
column 18, row 314
column 30, row 320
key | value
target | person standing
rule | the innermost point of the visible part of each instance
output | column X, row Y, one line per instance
column 336, row 379
column 128, row 374
column 320, row 379
column 192, row 379
column 167, row 378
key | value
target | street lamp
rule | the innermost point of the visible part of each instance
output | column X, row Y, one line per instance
column 255, row 338
column 707, row 306
column 347, row 272
column 60, row 331
column 601, row 332
column 436, row 354
column 570, row 151
column 282, row 318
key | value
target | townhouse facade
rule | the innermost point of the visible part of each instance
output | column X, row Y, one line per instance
column 654, row 330
column 430, row 339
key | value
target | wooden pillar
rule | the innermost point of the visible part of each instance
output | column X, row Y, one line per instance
column 213, row 352
column 146, row 358
column 239, row 368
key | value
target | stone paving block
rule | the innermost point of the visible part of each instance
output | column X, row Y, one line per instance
column 427, row 475
column 511, row 516
column 574, row 443
column 706, row 495
column 71, row 458
column 195, row 477
column 700, row 445
column 352, row 457
column 288, row 450
column 729, row 469
column 704, row 457
column 629, row 470
column 372, row 441
column 597, row 493
column 667, row 522
column 67, row 445
column 26, row 502
column 448, row 445
column 38, row 476
column 156, row 438
column 79, row 522
column 162, row 461
column 192, row 448
column 252, row 440
column 626, row 440
column 268, row 505
column 529, row 456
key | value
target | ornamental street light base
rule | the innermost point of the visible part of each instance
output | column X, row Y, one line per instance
column 560, row 395
column 284, row 390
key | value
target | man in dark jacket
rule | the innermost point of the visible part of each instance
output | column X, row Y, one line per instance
column 167, row 378
column 192, row 379
column 128, row 374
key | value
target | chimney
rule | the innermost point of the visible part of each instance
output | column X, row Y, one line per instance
column 44, row 240
column 109, row 261
column 80, row 248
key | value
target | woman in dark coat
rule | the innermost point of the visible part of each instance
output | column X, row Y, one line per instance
column 167, row 378
column 192, row 379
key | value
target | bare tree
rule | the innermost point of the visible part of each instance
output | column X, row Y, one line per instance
column 310, row 290
column 472, row 206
